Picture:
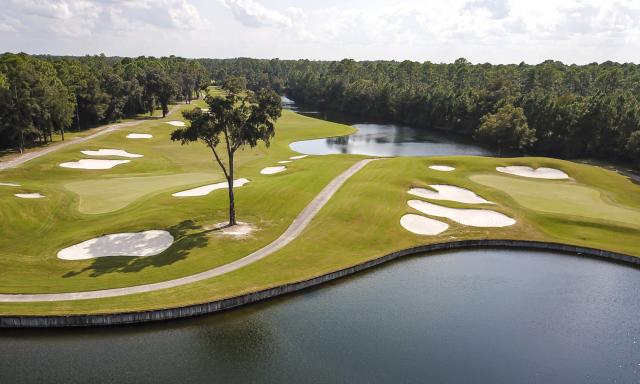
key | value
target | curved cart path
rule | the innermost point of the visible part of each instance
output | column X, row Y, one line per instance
column 294, row 230
column 23, row 158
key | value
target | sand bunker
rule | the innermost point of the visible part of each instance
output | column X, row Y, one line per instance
column 29, row 195
column 470, row 217
column 93, row 164
column 421, row 225
column 9, row 184
column 139, row 136
column 204, row 109
column 540, row 173
column 272, row 170
column 285, row 162
column 298, row 157
column 147, row 243
column 111, row 152
column 206, row 189
column 442, row 168
column 239, row 230
column 176, row 123
column 449, row 192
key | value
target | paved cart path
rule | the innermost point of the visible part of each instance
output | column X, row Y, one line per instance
column 294, row 230
column 23, row 158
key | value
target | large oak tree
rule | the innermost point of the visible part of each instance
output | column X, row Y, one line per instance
column 242, row 118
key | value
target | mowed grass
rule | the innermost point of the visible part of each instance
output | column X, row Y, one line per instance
column 83, row 204
column 361, row 222
column 567, row 198
column 108, row 195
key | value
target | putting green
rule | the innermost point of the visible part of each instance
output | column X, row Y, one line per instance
column 108, row 195
column 564, row 198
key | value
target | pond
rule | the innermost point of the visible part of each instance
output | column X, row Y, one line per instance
column 384, row 139
column 480, row 316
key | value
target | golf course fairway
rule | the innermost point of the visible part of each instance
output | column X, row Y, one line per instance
column 594, row 208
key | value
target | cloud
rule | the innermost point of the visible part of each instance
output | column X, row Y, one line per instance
column 255, row 15
column 73, row 18
column 498, row 9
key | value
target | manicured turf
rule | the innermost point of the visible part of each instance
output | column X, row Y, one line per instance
column 34, row 230
column 359, row 223
column 564, row 197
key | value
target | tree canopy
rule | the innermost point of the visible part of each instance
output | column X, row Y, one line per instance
column 241, row 118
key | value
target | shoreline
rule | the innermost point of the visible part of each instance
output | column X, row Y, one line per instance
column 165, row 314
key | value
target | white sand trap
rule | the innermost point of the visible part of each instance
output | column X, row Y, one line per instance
column 176, row 123
column 29, row 195
column 272, row 170
column 147, row 243
column 449, row 192
column 238, row 230
column 421, row 225
column 540, row 173
column 93, row 164
column 206, row 189
column 139, row 136
column 9, row 184
column 111, row 152
column 442, row 168
column 298, row 157
column 285, row 162
column 470, row 217
column 204, row 109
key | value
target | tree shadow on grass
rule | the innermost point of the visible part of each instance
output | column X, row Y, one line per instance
column 187, row 236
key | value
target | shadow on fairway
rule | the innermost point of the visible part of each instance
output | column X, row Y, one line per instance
column 186, row 235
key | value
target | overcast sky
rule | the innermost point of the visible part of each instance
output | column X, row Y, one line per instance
column 496, row 31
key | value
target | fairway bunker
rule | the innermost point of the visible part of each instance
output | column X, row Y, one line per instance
column 93, row 164
column 9, row 184
column 140, row 244
column 206, row 189
column 29, row 195
column 176, row 123
column 272, row 170
column 469, row 217
column 139, row 136
column 421, row 225
column 442, row 168
column 449, row 192
column 285, row 162
column 298, row 157
column 540, row 173
column 111, row 152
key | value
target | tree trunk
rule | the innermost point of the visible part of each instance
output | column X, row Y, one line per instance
column 21, row 140
column 77, row 116
column 62, row 132
column 232, row 205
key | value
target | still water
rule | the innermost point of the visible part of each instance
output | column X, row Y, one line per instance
column 375, row 139
column 477, row 316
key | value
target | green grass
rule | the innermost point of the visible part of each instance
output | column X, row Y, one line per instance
column 82, row 204
column 108, row 195
column 359, row 223
column 563, row 197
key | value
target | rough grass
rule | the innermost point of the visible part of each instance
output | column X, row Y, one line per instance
column 359, row 223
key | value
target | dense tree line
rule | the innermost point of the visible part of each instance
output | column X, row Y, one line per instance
column 550, row 108
column 40, row 95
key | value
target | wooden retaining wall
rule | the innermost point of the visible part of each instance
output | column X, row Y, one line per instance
column 94, row 320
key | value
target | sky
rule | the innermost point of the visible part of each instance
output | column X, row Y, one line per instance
column 495, row 31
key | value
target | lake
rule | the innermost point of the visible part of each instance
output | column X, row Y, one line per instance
column 475, row 316
column 384, row 139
